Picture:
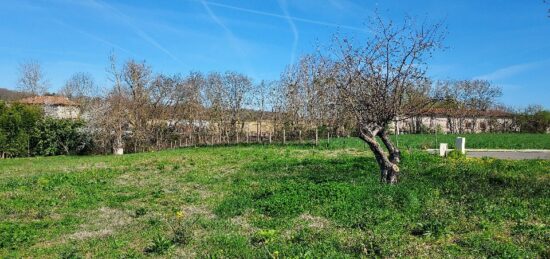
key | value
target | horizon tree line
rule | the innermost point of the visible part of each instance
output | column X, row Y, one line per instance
column 351, row 86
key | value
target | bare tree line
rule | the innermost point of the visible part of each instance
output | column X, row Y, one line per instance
column 350, row 86
column 148, row 109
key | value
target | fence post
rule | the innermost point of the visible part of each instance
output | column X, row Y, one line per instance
column 237, row 137
column 300, row 135
column 247, row 136
column 316, row 136
column 284, row 137
column 269, row 137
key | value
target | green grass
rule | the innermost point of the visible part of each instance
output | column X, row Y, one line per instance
column 477, row 141
column 269, row 201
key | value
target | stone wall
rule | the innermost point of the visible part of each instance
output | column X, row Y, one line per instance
column 61, row 112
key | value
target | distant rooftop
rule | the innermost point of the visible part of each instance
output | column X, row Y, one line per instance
column 465, row 112
column 48, row 100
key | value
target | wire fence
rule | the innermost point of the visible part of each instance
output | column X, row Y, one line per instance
column 307, row 137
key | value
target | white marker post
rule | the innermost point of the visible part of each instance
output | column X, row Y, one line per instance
column 443, row 149
column 119, row 151
column 461, row 145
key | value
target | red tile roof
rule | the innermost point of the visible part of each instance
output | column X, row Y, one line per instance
column 48, row 100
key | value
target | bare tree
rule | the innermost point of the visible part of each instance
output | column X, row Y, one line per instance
column 31, row 78
column 80, row 85
column 262, row 100
column 482, row 96
column 137, row 84
column 454, row 104
column 108, row 117
column 238, row 87
column 312, row 102
column 193, row 99
column 468, row 100
column 215, row 96
column 378, row 77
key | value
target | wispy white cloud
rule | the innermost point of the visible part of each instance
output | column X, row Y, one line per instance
column 509, row 71
column 217, row 20
column 233, row 40
column 94, row 37
column 298, row 19
column 350, row 8
column 139, row 32
column 295, row 32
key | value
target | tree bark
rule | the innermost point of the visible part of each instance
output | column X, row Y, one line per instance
column 395, row 153
column 389, row 171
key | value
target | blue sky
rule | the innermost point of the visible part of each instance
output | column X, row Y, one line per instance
column 506, row 42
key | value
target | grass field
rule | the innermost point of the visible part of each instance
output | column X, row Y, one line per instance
column 475, row 141
column 273, row 201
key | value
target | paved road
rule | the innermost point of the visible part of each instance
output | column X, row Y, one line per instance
column 511, row 155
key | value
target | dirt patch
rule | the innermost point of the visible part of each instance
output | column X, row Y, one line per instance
column 81, row 235
column 340, row 152
column 315, row 221
column 102, row 222
column 197, row 211
column 243, row 222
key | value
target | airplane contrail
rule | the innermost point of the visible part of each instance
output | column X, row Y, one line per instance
column 142, row 34
column 310, row 21
column 295, row 32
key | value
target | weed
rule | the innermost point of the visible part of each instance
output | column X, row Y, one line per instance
column 182, row 228
column 140, row 212
column 455, row 154
column 159, row 245
column 70, row 253
column 264, row 236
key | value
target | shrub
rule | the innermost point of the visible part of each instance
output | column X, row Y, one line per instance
column 537, row 121
column 24, row 132
column 17, row 122
column 59, row 137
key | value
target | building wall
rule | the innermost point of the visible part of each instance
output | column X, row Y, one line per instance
column 453, row 125
column 61, row 112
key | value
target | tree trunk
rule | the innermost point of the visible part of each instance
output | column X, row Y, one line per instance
column 389, row 171
column 395, row 153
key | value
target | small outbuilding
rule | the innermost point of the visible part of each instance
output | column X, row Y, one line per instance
column 58, row 107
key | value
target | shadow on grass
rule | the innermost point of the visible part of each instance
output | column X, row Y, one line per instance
column 436, row 198
column 346, row 188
